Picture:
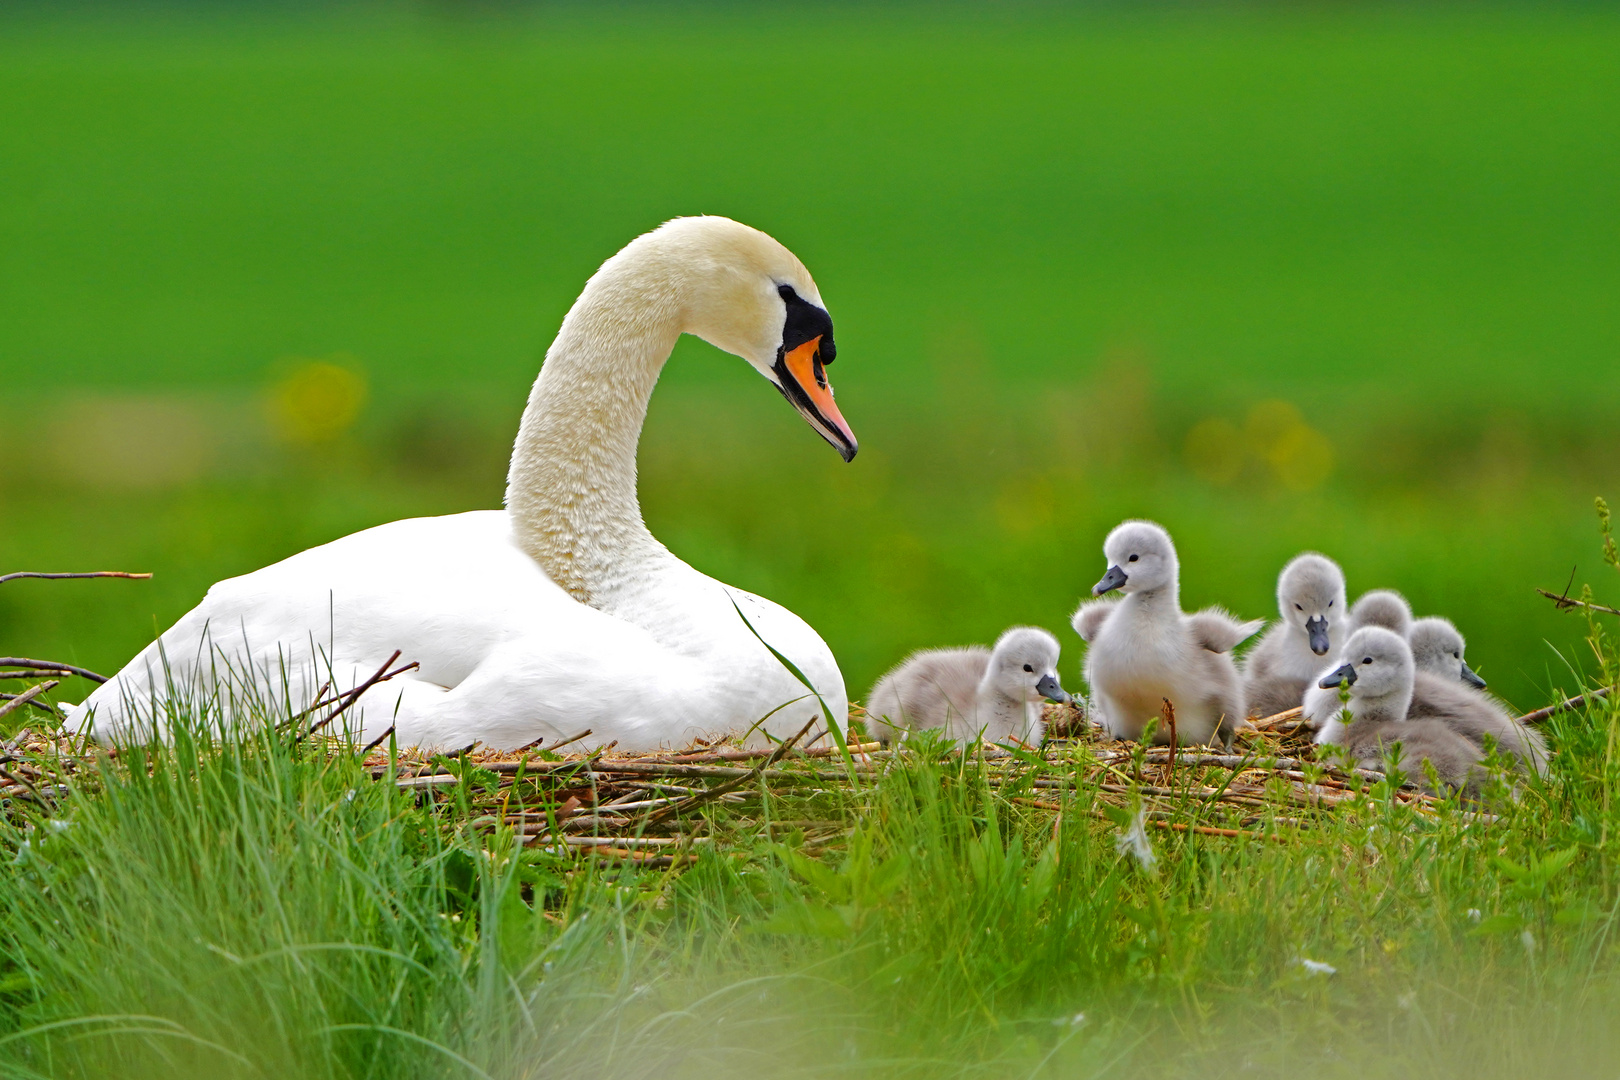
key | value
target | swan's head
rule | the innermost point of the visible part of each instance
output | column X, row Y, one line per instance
column 1024, row 665
column 1438, row 647
column 1310, row 595
column 747, row 294
column 1377, row 663
column 1382, row 607
column 1140, row 558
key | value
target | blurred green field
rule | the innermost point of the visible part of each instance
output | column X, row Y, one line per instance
column 1342, row 278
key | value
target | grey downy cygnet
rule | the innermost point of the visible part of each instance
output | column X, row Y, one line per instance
column 972, row 693
column 1144, row 651
column 1447, row 688
column 1288, row 660
column 1382, row 607
column 1377, row 667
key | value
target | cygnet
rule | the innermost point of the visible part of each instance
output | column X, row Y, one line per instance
column 1145, row 651
column 1438, row 647
column 973, row 693
column 1382, row 607
column 1288, row 660
column 1446, row 687
column 1378, row 668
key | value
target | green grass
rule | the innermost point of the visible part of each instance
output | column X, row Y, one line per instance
column 1054, row 242
column 262, row 908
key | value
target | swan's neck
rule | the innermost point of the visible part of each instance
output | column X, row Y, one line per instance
column 1386, row 707
column 1003, row 711
column 1163, row 603
column 571, row 490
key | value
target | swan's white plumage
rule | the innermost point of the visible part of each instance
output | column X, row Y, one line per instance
column 562, row 612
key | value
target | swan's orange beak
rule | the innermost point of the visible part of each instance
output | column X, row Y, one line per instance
column 802, row 378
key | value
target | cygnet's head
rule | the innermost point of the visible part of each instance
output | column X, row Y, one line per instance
column 743, row 292
column 1377, row 663
column 1140, row 557
column 1024, row 663
column 1310, row 595
column 1382, row 607
column 1438, row 647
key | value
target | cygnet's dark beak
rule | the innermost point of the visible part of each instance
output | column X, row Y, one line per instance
column 1317, row 628
column 1111, row 581
column 1343, row 674
column 1050, row 689
column 1469, row 677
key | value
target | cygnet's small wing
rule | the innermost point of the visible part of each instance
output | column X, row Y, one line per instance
column 1474, row 714
column 1220, row 631
column 1089, row 619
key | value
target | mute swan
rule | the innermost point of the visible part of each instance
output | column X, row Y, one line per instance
column 972, row 693
column 561, row 611
column 1310, row 597
column 1146, row 651
column 1382, row 607
column 1379, row 670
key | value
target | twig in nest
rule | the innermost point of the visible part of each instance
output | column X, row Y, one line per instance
column 27, row 696
column 59, row 577
column 1563, row 602
column 49, row 667
column 1564, row 706
column 730, row 785
column 378, row 741
column 1169, row 713
column 1276, row 720
column 346, row 700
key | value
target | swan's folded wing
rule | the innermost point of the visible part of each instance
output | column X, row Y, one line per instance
column 1219, row 631
column 1088, row 620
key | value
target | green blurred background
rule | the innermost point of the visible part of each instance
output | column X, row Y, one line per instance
column 1337, row 277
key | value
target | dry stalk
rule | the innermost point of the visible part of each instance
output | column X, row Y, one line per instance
column 27, row 696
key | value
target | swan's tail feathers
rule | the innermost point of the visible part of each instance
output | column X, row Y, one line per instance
column 1091, row 615
column 1220, row 631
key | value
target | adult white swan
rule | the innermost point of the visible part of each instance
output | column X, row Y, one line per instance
column 561, row 612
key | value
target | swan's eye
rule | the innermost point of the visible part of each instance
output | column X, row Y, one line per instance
column 1131, row 559
column 1330, row 603
column 1029, row 669
column 1457, row 655
column 1298, row 608
column 1366, row 659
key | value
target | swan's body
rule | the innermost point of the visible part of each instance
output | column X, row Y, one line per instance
column 561, row 612
column 972, row 693
column 1288, row 660
column 1144, row 651
column 1379, row 669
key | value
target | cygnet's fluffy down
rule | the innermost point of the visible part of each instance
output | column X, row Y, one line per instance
column 972, row 693
column 1145, row 651
column 1377, row 666
column 1474, row 714
column 1288, row 660
column 1447, row 687
column 1382, row 607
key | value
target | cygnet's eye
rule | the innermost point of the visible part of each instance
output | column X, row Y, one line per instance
column 1131, row 559
column 1366, row 659
column 1029, row 669
column 1298, row 608
column 1330, row 603
column 1457, row 655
